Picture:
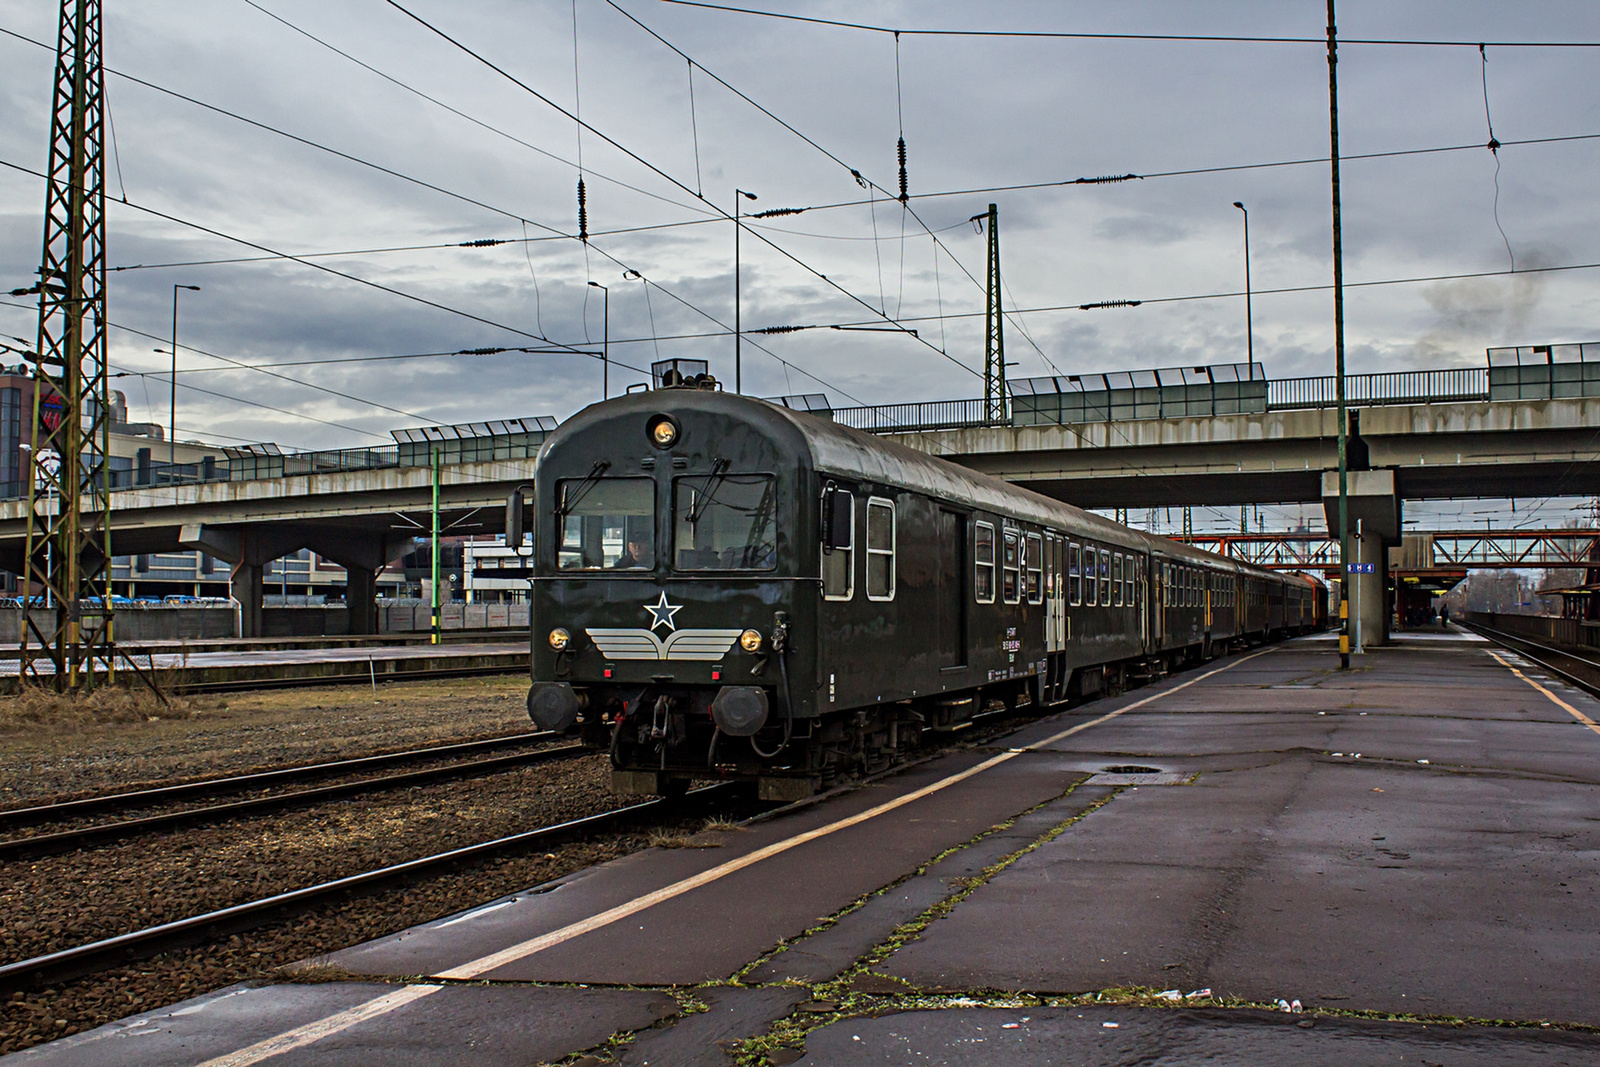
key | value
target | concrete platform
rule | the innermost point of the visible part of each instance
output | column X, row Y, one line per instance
column 1415, row 838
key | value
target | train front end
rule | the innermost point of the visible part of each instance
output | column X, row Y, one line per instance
column 665, row 594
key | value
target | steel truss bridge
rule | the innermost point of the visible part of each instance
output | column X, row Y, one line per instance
column 1425, row 550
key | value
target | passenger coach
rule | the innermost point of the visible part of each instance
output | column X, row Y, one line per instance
column 725, row 588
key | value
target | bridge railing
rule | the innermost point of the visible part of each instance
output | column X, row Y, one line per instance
column 1389, row 387
column 1282, row 394
column 903, row 418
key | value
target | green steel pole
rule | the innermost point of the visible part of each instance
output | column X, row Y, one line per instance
column 435, row 598
column 1338, row 345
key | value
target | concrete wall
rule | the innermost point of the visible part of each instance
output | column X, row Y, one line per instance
column 402, row 618
column 142, row 622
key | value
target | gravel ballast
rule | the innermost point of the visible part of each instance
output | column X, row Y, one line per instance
column 59, row 901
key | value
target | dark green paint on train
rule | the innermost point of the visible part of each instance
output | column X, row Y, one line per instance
column 725, row 588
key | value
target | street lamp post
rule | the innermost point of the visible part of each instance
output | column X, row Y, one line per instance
column 1249, row 318
column 738, row 368
column 605, row 350
column 172, row 426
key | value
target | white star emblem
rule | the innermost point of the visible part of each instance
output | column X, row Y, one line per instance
column 662, row 612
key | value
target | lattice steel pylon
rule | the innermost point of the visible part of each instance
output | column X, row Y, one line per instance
column 994, row 338
column 68, row 547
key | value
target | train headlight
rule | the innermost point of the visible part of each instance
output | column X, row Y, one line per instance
column 560, row 640
column 750, row 641
column 662, row 431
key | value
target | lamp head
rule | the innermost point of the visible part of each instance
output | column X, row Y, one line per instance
column 1238, row 205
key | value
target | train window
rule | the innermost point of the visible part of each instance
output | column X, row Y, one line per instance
column 1105, row 576
column 606, row 523
column 1035, row 565
column 983, row 562
column 1090, row 586
column 838, row 566
column 1074, row 574
column 880, row 549
column 1011, row 567
column 725, row 523
column 1116, row 580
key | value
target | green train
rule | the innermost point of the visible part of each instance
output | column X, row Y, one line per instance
column 724, row 588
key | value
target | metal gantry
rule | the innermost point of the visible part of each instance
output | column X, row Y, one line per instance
column 68, row 548
column 994, row 337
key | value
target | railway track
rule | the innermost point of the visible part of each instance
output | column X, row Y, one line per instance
column 241, row 685
column 1579, row 670
column 81, row 836
column 236, row 783
column 81, row 960
column 92, row 957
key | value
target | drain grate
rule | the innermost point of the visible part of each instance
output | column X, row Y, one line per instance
column 1141, row 776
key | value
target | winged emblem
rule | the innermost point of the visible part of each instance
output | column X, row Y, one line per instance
column 704, row 645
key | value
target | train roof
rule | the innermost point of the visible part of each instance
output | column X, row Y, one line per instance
column 853, row 453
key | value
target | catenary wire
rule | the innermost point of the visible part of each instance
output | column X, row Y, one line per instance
column 1090, row 36
column 661, row 173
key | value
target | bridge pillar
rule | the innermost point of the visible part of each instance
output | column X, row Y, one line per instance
column 1374, row 512
column 362, row 557
column 248, row 590
column 361, row 598
column 249, row 550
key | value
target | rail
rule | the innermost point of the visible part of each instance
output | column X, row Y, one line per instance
column 66, row 964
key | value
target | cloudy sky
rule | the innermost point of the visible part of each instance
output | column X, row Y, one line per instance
column 487, row 158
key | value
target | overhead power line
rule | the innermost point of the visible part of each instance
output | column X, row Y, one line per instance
column 1209, row 38
column 156, row 213
column 556, row 233
column 654, row 169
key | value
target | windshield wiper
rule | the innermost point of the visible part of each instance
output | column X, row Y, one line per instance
column 571, row 497
column 708, row 490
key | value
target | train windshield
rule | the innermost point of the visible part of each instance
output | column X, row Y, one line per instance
column 606, row 524
column 725, row 522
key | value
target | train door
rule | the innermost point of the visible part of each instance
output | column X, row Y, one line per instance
column 1143, row 593
column 952, row 586
column 1160, row 574
column 1051, row 577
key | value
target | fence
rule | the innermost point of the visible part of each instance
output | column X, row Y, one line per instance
column 1390, row 387
column 897, row 418
column 1073, row 406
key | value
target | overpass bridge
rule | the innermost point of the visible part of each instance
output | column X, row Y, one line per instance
column 1526, row 425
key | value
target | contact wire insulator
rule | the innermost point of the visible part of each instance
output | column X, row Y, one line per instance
column 904, row 195
column 583, row 213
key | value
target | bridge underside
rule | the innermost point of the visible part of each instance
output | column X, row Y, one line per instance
column 1178, row 488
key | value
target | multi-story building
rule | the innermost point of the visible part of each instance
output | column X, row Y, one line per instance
column 140, row 454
